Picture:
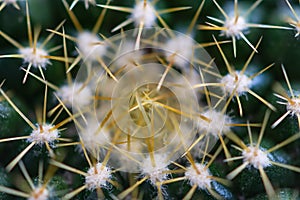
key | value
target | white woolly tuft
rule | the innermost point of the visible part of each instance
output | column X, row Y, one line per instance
column 93, row 138
column 241, row 82
column 201, row 179
column 80, row 95
column 218, row 123
column 234, row 27
column 256, row 157
column 35, row 57
column 39, row 193
column 98, row 177
column 156, row 173
column 44, row 133
column 126, row 56
column 182, row 46
column 90, row 46
column 141, row 13
column 294, row 106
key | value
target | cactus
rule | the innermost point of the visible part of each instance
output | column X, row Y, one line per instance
column 149, row 99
